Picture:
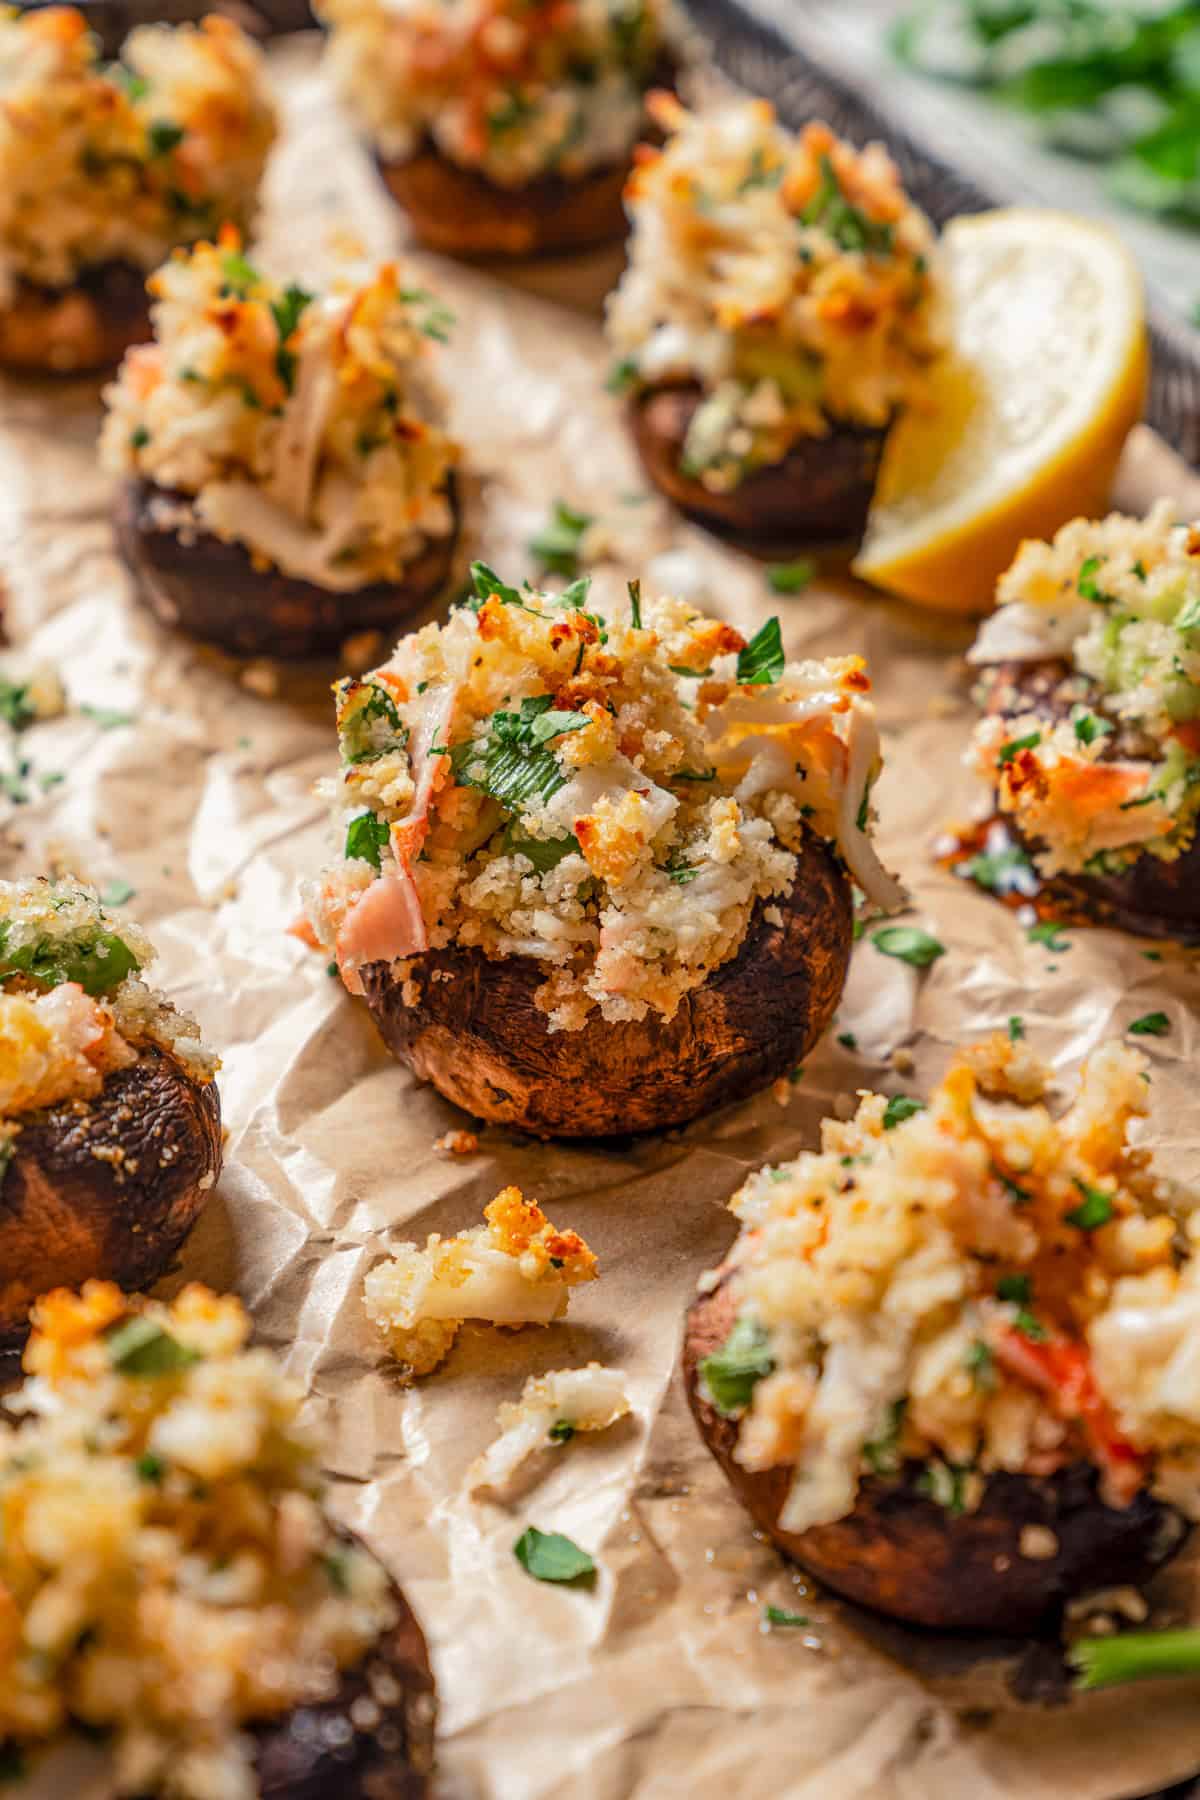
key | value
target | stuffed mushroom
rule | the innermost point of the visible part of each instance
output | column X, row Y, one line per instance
column 287, row 481
column 174, row 1591
column 596, row 871
column 105, row 168
column 503, row 127
column 1090, row 685
column 781, row 306
column 110, row 1121
column 949, row 1364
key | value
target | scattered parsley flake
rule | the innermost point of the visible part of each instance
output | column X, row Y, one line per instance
column 791, row 577
column 780, row 1616
column 107, row 717
column 366, row 837
column 761, row 663
column 1015, row 746
column 1088, row 727
column 1151, row 1024
column 1016, row 1028
column 549, row 1556
column 731, row 1373
column 1046, row 932
column 847, row 1040
column 117, row 893
column 557, row 544
column 1095, row 1210
column 908, row 943
column 899, row 1108
column 141, row 1347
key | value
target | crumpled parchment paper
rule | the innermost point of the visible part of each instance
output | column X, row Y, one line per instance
column 660, row 1682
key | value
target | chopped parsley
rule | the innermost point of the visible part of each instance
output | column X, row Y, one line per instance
column 1096, row 1208
column 622, row 376
column 337, row 1568
column 944, row 1484
column 371, row 727
column 1017, row 1288
column 549, row 1556
column 117, row 893
column 366, row 837
column 899, row 1108
column 107, row 717
column 239, row 274
column 163, row 136
column 438, row 319
column 982, row 1364
column 544, row 853
column 561, row 1432
column 98, row 963
column 779, row 1615
column 286, row 313
column 141, row 1347
column 882, row 1454
column 908, row 943
column 1087, row 584
column 731, row 1373
column 1188, row 616
column 1088, row 727
column 1046, row 932
column 557, row 544
column 847, row 1040
column 1016, row 1028
column 849, row 227
column 761, row 663
column 1007, row 870
column 150, row 1468
column 791, row 578
column 139, row 437
column 635, row 604
column 514, row 764
column 1151, row 1024
column 1015, row 746
column 488, row 586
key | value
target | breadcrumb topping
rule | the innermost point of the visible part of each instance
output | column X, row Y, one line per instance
column 980, row 1286
column 119, row 162
column 307, row 428
column 167, row 1573
column 1118, row 775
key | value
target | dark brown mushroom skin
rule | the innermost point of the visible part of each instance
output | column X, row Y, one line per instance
column 461, row 213
column 820, row 491
column 900, row 1553
column 194, row 582
column 476, row 1033
column 107, row 1187
column 76, row 330
column 1151, row 897
column 113, row 20
column 372, row 1740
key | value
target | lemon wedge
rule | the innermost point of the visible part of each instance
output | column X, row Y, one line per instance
column 1028, row 410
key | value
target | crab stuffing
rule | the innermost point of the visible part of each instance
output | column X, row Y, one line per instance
column 120, row 162
column 167, row 1573
column 611, row 797
column 1116, row 775
column 551, row 1410
column 305, row 427
column 516, row 1269
column 516, row 89
column 979, row 1287
column 790, row 276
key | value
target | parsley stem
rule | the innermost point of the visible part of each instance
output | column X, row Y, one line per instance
column 1135, row 1656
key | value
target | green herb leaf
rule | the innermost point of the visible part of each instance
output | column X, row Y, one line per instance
column 438, row 319
column 549, row 1556
column 761, row 663
column 731, row 1373
column 107, row 717
column 488, row 585
column 366, row 837
column 1096, row 1209
column 1046, row 932
column 562, row 1431
column 779, row 1615
column 16, row 708
column 1188, row 616
column 847, row 1040
column 1089, row 726
column 899, row 1108
column 1087, row 584
column 150, row 1468
column 1016, row 1028
column 622, row 376
column 370, row 726
column 99, row 963
column 239, row 275
column 118, row 892
column 1017, row 1288
column 1015, row 746
column 1004, row 871
column 557, row 544
column 635, row 604
column 1151, row 1024
column 544, row 853
column 982, row 1364
column 163, row 136
column 791, row 578
column 847, row 225
column 141, row 1347
column 289, row 308
column 908, row 943
column 139, row 437
column 1030, row 1327
column 336, row 1565
column 515, row 760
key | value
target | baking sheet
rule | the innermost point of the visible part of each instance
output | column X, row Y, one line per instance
column 660, row 1682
